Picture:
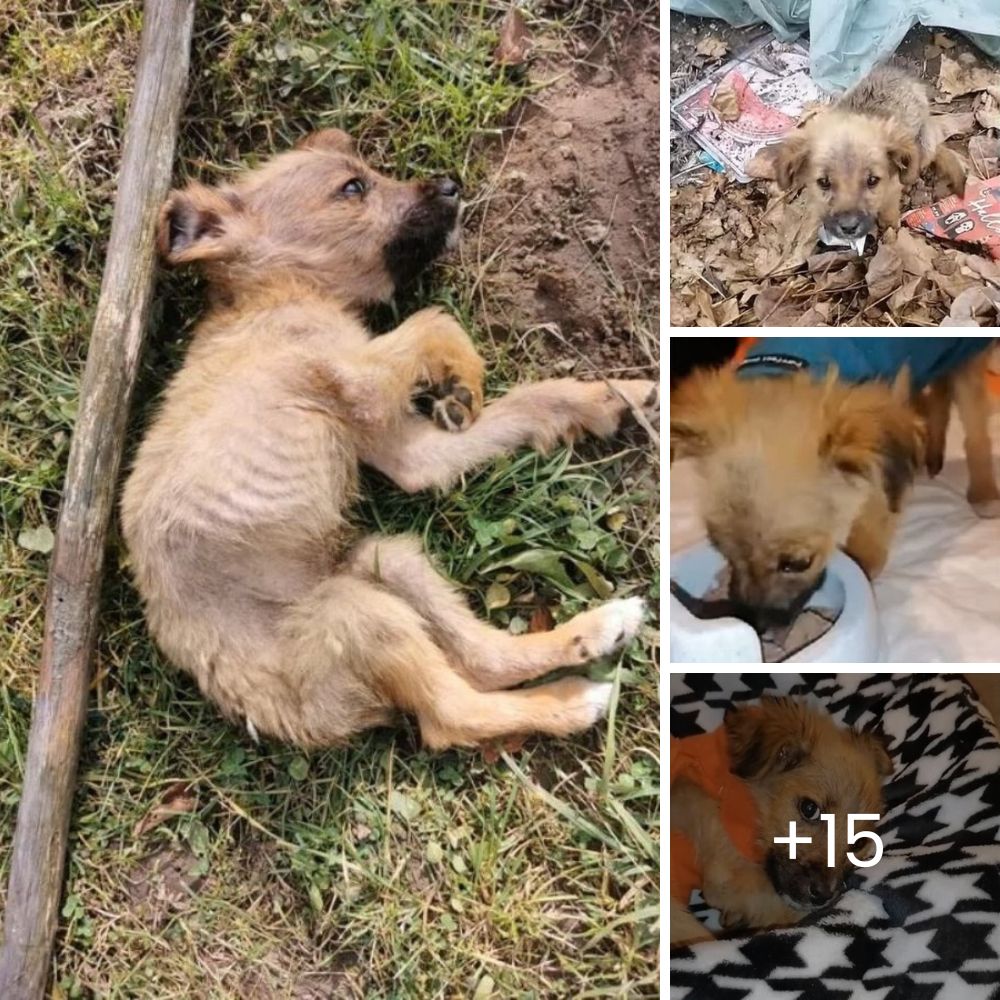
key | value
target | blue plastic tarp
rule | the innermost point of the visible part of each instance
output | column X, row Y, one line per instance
column 847, row 37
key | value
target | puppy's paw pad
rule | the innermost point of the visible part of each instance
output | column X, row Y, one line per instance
column 986, row 508
column 450, row 403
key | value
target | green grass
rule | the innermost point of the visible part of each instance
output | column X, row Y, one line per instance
column 378, row 870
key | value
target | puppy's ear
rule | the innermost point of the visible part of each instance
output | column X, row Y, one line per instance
column 196, row 224
column 699, row 408
column 877, row 746
column 791, row 160
column 333, row 140
column 871, row 434
column 902, row 152
column 773, row 737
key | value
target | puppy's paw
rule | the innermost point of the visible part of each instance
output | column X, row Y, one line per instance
column 934, row 460
column 604, row 630
column 450, row 390
column 633, row 397
column 451, row 403
column 987, row 508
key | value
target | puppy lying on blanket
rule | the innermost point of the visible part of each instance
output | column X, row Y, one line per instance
column 807, row 446
column 734, row 790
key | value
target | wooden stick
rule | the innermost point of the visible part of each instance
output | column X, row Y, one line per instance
column 72, row 598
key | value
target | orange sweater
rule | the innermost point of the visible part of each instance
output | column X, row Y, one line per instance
column 704, row 760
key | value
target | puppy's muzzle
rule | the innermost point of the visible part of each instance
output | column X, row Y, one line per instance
column 850, row 225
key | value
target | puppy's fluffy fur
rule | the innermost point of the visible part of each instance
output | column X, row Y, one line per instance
column 854, row 158
column 797, row 764
column 236, row 513
column 793, row 468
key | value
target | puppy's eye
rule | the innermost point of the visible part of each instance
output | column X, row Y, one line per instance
column 793, row 564
column 354, row 187
column 823, row 183
column 873, row 180
column 808, row 809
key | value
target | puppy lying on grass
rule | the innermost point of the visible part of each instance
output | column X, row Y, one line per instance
column 734, row 790
column 236, row 512
column 812, row 443
column 855, row 157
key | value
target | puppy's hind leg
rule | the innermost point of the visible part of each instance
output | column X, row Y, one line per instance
column 489, row 658
column 935, row 407
column 356, row 653
column 972, row 401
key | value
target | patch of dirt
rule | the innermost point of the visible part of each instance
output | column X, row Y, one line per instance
column 739, row 253
column 161, row 885
column 568, row 238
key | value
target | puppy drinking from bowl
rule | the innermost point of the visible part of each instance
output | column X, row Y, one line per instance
column 812, row 444
column 734, row 790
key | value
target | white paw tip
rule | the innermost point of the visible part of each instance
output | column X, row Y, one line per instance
column 598, row 697
column 622, row 621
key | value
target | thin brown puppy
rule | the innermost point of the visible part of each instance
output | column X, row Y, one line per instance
column 236, row 513
column 855, row 158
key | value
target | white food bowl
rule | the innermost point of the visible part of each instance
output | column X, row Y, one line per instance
column 855, row 636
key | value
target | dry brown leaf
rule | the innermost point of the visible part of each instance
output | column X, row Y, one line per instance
column 541, row 620
column 703, row 300
column 177, row 799
column 916, row 253
column 814, row 316
column 775, row 306
column 952, row 123
column 976, row 306
column 984, row 154
column 943, row 41
column 987, row 109
column 515, row 42
column 727, row 311
column 838, row 278
column 512, row 744
column 904, row 295
column 950, row 283
column 981, row 267
column 956, row 79
column 711, row 47
column 885, row 271
column 726, row 102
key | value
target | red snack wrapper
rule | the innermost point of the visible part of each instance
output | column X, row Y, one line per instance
column 972, row 218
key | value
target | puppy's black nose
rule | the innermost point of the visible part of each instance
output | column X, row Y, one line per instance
column 447, row 188
column 852, row 224
column 820, row 893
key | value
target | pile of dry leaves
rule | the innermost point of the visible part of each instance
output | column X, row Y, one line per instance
column 740, row 254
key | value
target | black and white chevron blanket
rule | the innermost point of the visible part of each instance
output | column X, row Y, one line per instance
column 922, row 924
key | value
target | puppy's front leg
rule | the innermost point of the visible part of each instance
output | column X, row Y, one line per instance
column 973, row 404
column 417, row 454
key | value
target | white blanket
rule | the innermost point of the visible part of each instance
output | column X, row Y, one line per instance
column 939, row 594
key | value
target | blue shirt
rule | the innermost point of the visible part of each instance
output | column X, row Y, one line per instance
column 860, row 359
